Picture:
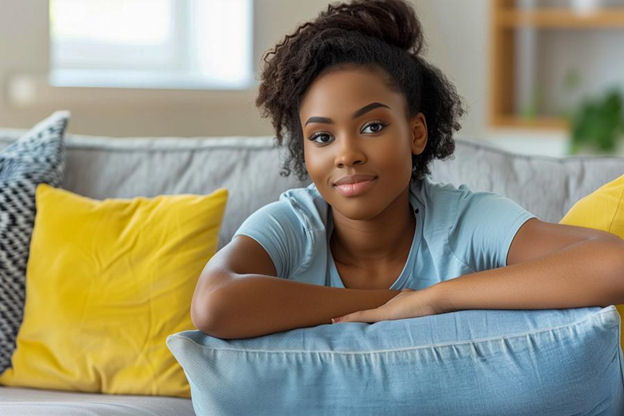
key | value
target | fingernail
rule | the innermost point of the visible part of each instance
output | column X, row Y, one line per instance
column 333, row 321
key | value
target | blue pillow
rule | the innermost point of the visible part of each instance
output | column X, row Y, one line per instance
column 473, row 362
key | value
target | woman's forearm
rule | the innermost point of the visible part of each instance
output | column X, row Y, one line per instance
column 588, row 273
column 253, row 305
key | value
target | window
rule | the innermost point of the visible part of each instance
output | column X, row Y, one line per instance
column 151, row 43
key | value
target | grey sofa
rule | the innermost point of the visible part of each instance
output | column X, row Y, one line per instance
column 104, row 167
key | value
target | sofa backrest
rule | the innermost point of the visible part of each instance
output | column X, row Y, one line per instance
column 249, row 167
column 546, row 186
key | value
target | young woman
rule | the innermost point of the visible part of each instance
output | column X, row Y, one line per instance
column 373, row 238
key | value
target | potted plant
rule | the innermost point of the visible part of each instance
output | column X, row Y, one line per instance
column 597, row 124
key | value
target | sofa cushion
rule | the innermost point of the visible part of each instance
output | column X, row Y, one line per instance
column 107, row 281
column 36, row 157
column 603, row 210
column 472, row 362
column 16, row 401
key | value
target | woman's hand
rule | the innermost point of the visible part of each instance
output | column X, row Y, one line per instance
column 407, row 304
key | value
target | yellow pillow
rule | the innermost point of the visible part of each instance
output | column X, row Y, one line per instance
column 603, row 210
column 106, row 283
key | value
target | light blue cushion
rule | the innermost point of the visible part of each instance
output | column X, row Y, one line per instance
column 474, row 362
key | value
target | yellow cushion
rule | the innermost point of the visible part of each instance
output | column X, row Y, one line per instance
column 107, row 282
column 603, row 210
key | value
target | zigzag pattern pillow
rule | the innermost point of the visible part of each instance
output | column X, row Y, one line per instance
column 36, row 157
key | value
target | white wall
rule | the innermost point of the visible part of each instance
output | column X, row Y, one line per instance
column 455, row 30
column 457, row 35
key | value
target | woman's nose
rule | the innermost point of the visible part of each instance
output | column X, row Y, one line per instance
column 349, row 152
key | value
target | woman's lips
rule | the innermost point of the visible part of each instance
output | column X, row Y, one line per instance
column 355, row 189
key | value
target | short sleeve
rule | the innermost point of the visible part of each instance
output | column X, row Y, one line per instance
column 278, row 230
column 485, row 227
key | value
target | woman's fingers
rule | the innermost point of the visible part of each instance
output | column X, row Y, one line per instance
column 368, row 315
column 407, row 304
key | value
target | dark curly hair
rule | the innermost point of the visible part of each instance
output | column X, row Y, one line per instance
column 378, row 34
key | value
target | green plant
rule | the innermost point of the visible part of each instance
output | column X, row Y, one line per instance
column 598, row 123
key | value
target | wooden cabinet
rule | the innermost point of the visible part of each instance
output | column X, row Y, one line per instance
column 509, row 19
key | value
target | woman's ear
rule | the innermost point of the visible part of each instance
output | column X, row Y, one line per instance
column 418, row 127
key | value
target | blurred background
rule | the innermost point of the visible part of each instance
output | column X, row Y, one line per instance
column 537, row 76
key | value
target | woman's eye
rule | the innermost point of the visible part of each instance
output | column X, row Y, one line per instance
column 319, row 138
column 374, row 127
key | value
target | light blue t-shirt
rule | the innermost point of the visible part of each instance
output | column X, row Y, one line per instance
column 457, row 232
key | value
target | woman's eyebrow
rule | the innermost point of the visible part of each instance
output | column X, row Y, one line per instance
column 357, row 114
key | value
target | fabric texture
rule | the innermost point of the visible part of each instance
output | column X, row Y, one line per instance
column 603, row 210
column 36, row 157
column 473, row 362
column 107, row 281
column 17, row 401
column 457, row 232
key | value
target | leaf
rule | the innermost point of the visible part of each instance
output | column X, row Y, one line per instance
column 598, row 122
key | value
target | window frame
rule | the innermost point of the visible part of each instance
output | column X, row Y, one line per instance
column 176, row 61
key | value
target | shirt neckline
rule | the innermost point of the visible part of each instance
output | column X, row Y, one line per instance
column 399, row 283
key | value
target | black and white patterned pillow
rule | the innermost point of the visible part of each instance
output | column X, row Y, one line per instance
column 36, row 157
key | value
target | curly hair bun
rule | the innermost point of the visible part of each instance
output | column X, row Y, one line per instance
column 377, row 34
column 392, row 21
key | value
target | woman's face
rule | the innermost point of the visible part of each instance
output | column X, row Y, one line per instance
column 354, row 124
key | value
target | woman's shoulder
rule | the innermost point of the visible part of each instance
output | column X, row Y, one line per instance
column 301, row 193
column 444, row 204
column 428, row 191
column 445, row 199
column 307, row 204
column 298, row 212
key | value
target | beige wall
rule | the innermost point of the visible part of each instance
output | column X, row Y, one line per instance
column 455, row 31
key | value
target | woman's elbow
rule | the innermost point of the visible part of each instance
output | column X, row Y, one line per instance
column 205, row 306
column 614, row 261
column 204, row 312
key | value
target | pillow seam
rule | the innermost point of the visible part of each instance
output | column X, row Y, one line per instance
column 608, row 310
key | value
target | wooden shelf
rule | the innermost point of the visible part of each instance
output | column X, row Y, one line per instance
column 561, row 18
column 506, row 19
column 545, row 123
